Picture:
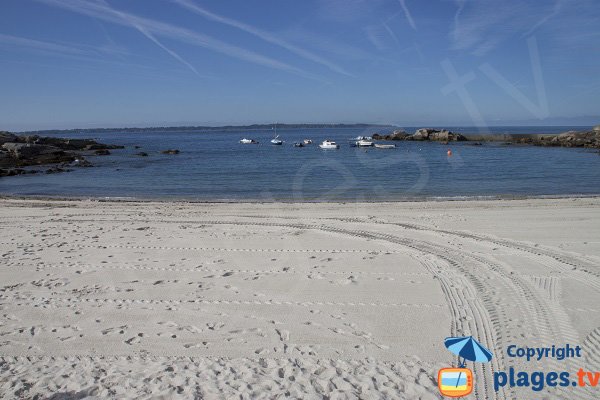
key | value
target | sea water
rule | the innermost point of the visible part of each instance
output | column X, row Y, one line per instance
column 215, row 166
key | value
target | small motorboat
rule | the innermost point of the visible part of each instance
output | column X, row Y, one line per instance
column 385, row 146
column 276, row 141
column 364, row 143
column 362, row 138
column 329, row 144
column 307, row 141
column 298, row 144
column 248, row 141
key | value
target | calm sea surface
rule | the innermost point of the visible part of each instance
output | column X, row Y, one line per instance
column 214, row 166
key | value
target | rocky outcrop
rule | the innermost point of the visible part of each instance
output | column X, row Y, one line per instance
column 68, row 144
column 423, row 134
column 442, row 135
column 396, row 135
column 590, row 139
column 26, row 151
column 15, row 171
column 6, row 137
column 24, row 154
column 170, row 151
column 5, row 159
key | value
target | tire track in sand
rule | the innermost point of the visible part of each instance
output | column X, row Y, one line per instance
column 532, row 314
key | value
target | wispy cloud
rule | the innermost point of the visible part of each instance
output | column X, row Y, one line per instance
column 374, row 35
column 162, row 29
column 262, row 34
column 49, row 47
column 409, row 17
column 480, row 26
column 81, row 51
column 150, row 36
column 555, row 10
column 391, row 33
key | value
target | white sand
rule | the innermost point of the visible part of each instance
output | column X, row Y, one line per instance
column 143, row 300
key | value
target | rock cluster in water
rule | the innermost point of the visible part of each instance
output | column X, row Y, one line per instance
column 423, row 134
column 17, row 152
column 589, row 139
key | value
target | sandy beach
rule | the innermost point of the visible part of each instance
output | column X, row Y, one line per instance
column 242, row 300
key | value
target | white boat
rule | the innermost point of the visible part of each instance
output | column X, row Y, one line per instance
column 307, row 141
column 329, row 144
column 248, row 141
column 385, row 146
column 364, row 143
column 276, row 140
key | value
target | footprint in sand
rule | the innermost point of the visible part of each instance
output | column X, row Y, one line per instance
column 235, row 289
column 284, row 335
column 118, row 330
column 215, row 326
column 196, row 345
column 51, row 283
column 133, row 340
column 346, row 281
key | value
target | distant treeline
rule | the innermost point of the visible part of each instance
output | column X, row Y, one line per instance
column 254, row 127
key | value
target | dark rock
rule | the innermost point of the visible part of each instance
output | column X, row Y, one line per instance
column 56, row 170
column 142, row 154
column 68, row 144
column 102, row 152
column 170, row 151
column 15, row 171
column 32, row 154
column 5, row 159
column 396, row 135
column 588, row 139
column 20, row 151
column 137, row 147
column 476, row 144
column 442, row 135
column 101, row 146
column 7, row 137
column 81, row 162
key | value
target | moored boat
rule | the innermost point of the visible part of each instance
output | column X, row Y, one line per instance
column 329, row 144
column 385, row 146
column 364, row 143
column 248, row 141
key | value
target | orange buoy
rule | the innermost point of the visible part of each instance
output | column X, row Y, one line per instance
column 449, row 152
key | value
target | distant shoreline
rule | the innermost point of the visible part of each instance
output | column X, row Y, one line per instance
column 258, row 127
column 231, row 128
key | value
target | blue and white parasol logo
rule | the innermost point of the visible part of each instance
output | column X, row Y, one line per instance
column 467, row 348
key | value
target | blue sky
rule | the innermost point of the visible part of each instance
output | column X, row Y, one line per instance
column 109, row 63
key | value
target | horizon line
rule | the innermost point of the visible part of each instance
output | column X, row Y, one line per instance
column 280, row 124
